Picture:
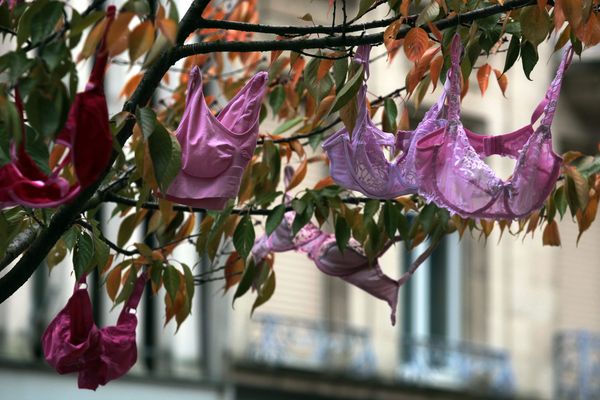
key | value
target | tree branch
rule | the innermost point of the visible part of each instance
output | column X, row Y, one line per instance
column 67, row 214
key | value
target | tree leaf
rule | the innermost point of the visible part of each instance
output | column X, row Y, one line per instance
column 117, row 38
column 243, row 237
column 140, row 40
column 429, row 13
column 168, row 27
column 363, row 7
column 529, row 57
column 113, row 282
column 349, row 90
column 551, row 237
column 266, row 292
column 44, row 21
column 535, row 24
column 55, row 255
column 287, row 125
column 391, row 215
column 416, row 42
column 165, row 152
column 171, row 281
column 389, row 116
column 342, row 232
column 435, row 68
column 146, row 119
column 502, row 80
column 512, row 53
column 277, row 98
column 573, row 11
column 83, row 254
column 298, row 176
column 274, row 219
column 483, row 77
column 234, row 267
column 247, row 279
column 92, row 40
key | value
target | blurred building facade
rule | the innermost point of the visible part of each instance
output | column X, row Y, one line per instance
column 505, row 318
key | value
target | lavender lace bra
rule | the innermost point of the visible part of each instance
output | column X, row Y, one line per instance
column 452, row 171
column 357, row 161
column 351, row 265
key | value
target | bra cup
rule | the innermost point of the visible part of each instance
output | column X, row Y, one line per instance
column 371, row 168
column 241, row 114
column 538, row 166
column 205, row 151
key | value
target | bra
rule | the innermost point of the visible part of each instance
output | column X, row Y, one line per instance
column 216, row 149
column 87, row 136
column 73, row 343
column 351, row 265
column 357, row 161
column 454, row 175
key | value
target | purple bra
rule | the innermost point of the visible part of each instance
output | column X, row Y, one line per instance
column 452, row 171
column 357, row 161
column 351, row 265
column 216, row 149
column 73, row 343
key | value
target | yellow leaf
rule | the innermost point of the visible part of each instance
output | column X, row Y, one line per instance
column 140, row 40
column 298, row 176
column 483, row 77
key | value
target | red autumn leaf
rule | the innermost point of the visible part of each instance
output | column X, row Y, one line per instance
column 483, row 77
column 234, row 266
column 435, row 68
column 416, row 42
column 323, row 69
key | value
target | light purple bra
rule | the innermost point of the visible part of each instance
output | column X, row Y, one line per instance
column 452, row 171
column 357, row 161
column 216, row 149
column 351, row 265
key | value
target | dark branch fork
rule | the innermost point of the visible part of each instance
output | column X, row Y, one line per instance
column 38, row 245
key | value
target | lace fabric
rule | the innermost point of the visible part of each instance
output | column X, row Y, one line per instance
column 452, row 171
column 73, row 343
column 358, row 162
column 216, row 149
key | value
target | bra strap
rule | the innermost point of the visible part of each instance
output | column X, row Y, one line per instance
column 361, row 56
column 97, row 76
column 551, row 98
column 454, row 78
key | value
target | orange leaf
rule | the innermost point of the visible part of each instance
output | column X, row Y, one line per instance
column 323, row 108
column 585, row 219
column 416, row 42
column 57, row 154
column 589, row 33
column 327, row 181
column 434, row 29
column 542, row 4
column 559, row 16
column 404, row 7
column 140, row 40
column 118, row 33
column 275, row 55
column 234, row 266
column 551, row 237
column 324, row 67
column 502, row 81
column 483, row 77
column 298, row 176
column 168, row 27
column 389, row 36
column 113, row 281
column 92, row 40
column 573, row 11
column 435, row 68
column 131, row 85
column 404, row 123
column 412, row 79
column 298, row 148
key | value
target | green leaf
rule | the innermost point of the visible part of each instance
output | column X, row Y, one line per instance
column 363, row 7
column 16, row 63
column 390, row 115
column 127, row 286
column 25, row 22
column 83, row 254
column 126, row 229
column 45, row 20
column 529, row 57
column 277, row 98
column 146, row 119
column 171, row 281
column 427, row 217
column 4, row 229
column 274, row 219
column 535, row 24
column 287, row 125
column 317, row 88
column 391, row 215
column 189, row 283
column 79, row 24
column 371, row 208
column 243, row 237
column 340, row 70
column 166, row 156
column 513, row 52
column 56, row 254
column 342, row 233
column 429, row 13
column 302, row 218
column 101, row 252
column 37, row 149
column 47, row 106
column 349, row 90
column 560, row 199
column 265, row 293
column 246, row 280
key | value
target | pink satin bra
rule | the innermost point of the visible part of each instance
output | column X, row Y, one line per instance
column 216, row 149
column 73, row 343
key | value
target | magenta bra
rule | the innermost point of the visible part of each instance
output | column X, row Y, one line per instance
column 351, row 265
column 216, row 149
column 73, row 343
column 357, row 161
column 452, row 171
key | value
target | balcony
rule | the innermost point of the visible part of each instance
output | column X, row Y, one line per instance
column 577, row 365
